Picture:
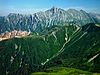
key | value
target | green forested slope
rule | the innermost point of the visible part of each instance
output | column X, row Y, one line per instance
column 69, row 46
column 82, row 51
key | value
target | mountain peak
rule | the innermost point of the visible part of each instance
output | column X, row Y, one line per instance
column 14, row 14
column 54, row 9
column 72, row 10
column 10, row 14
column 82, row 11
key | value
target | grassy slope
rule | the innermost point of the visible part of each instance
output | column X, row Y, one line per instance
column 64, row 71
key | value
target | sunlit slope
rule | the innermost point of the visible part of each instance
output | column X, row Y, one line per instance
column 69, row 46
column 64, row 71
column 23, row 55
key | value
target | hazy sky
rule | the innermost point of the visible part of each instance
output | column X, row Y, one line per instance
column 32, row 6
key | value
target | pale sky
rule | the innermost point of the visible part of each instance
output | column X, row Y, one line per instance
column 32, row 6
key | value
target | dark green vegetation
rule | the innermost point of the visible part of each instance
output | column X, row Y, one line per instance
column 82, row 51
column 61, row 46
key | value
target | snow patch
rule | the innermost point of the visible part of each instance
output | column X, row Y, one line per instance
column 12, row 58
column 92, row 58
column 16, row 46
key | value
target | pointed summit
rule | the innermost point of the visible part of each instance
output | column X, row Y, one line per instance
column 54, row 9
column 82, row 11
column 72, row 10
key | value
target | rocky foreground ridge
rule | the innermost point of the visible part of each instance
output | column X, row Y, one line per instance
column 12, row 34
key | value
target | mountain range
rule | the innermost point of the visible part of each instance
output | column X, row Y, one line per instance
column 54, row 42
column 39, row 21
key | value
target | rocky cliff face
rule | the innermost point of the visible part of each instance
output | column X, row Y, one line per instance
column 12, row 34
column 39, row 21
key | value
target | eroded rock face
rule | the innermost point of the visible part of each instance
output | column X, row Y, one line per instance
column 12, row 34
column 39, row 21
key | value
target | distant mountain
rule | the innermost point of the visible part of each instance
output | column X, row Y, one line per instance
column 95, row 16
column 68, row 45
column 39, row 21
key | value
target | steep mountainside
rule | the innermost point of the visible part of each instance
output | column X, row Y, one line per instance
column 39, row 21
column 69, row 45
column 82, row 51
